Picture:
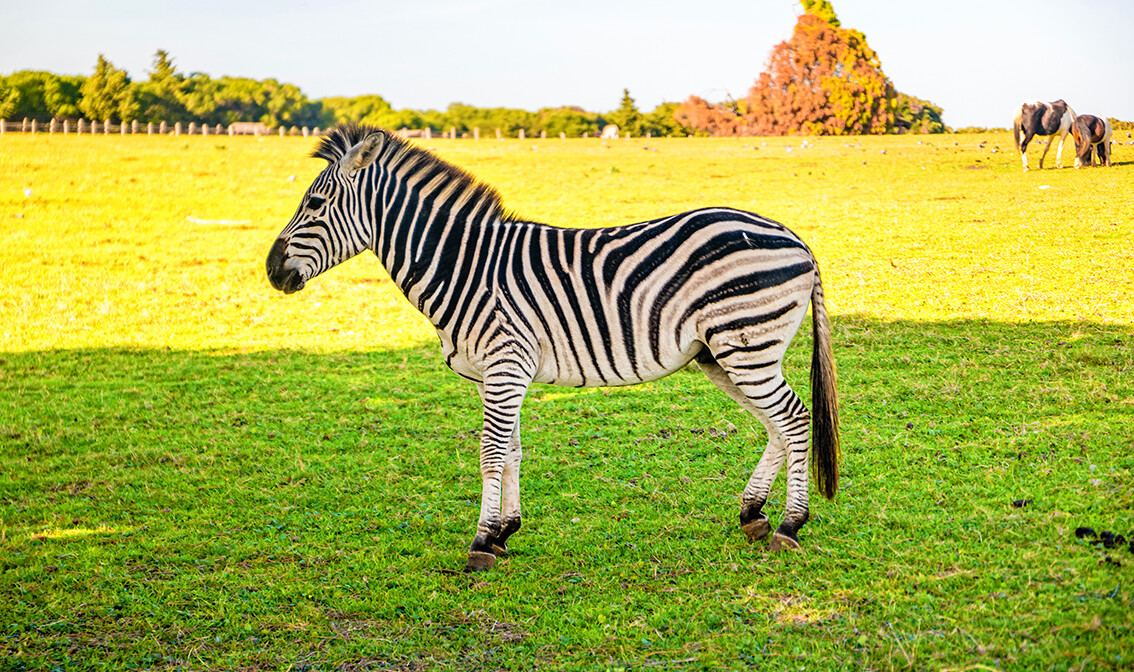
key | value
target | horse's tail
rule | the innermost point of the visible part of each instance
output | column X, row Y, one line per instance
column 824, row 397
column 1017, row 126
column 1075, row 133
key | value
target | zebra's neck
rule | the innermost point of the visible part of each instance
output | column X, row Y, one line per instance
column 428, row 211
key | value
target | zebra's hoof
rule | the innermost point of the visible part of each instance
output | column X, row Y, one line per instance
column 500, row 548
column 782, row 542
column 756, row 529
column 480, row 561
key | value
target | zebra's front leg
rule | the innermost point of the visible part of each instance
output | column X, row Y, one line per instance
column 502, row 400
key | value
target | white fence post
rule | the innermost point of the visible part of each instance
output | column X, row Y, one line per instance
column 498, row 134
column 476, row 133
column 106, row 127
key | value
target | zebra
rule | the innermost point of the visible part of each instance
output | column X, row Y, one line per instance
column 516, row 302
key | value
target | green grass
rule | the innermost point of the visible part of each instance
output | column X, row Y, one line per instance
column 197, row 472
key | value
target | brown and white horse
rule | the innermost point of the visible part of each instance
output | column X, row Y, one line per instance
column 1038, row 118
column 1089, row 132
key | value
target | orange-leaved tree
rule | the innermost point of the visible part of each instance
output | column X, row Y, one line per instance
column 825, row 80
column 704, row 118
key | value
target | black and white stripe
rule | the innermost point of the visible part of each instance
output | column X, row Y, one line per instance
column 516, row 302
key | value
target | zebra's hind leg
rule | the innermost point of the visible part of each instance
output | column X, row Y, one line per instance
column 510, row 496
column 502, row 399
column 753, row 521
column 759, row 387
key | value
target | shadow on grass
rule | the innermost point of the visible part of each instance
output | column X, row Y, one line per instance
column 309, row 509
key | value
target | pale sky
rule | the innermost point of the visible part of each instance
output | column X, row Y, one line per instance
column 978, row 59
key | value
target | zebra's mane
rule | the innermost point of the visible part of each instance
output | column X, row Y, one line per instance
column 405, row 157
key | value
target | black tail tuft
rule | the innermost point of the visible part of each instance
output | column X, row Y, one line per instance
column 824, row 398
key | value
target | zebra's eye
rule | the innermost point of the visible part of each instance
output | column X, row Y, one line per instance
column 315, row 202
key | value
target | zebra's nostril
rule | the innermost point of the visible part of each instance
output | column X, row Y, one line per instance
column 276, row 258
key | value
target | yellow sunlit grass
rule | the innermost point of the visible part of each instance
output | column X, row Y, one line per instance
column 160, row 241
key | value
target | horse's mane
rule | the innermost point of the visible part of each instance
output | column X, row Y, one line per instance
column 403, row 156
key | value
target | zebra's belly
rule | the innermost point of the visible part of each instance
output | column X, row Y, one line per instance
column 613, row 372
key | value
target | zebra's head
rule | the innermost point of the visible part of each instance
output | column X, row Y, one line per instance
column 331, row 224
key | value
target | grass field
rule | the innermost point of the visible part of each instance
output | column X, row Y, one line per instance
column 197, row 472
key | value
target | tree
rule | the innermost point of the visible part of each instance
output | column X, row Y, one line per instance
column 367, row 109
column 822, row 9
column 200, row 98
column 825, row 80
column 107, row 94
column 662, row 122
column 61, row 95
column 162, row 96
column 287, row 105
column 39, row 95
column 571, row 121
column 914, row 115
column 712, row 120
column 627, row 116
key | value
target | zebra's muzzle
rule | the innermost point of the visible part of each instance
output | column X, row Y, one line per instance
column 286, row 280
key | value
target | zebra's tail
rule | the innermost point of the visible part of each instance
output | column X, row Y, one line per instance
column 824, row 397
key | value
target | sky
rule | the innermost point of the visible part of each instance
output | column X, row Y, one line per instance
column 977, row 59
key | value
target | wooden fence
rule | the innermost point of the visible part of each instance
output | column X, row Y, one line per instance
column 84, row 127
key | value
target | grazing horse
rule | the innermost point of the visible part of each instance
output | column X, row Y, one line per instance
column 1037, row 118
column 1089, row 132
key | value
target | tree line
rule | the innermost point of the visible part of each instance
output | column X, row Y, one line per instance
column 824, row 80
column 168, row 95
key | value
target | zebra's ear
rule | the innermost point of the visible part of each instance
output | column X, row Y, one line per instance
column 363, row 154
